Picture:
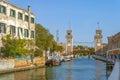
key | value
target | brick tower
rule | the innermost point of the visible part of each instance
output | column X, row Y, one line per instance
column 69, row 42
column 98, row 41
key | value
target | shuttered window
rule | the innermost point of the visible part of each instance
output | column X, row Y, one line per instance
column 20, row 16
column 26, row 33
column 32, row 34
column 12, row 13
column 2, row 9
column 2, row 28
column 12, row 30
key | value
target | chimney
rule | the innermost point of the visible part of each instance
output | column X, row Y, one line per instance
column 29, row 8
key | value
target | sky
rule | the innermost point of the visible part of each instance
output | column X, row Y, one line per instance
column 81, row 16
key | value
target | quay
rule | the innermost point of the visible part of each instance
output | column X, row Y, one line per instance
column 115, row 74
column 12, row 65
column 20, row 69
column 102, row 58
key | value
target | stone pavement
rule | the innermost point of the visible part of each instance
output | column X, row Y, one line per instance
column 115, row 74
column 102, row 58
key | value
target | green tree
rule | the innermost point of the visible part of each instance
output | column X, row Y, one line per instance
column 13, row 47
column 44, row 40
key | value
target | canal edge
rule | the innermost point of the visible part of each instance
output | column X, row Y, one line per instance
column 21, row 69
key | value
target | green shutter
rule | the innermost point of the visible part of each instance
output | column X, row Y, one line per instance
column 4, row 28
column 18, row 32
column 14, row 13
column 14, row 29
column 10, row 29
column 0, row 8
column 4, row 9
column 32, row 34
column 10, row 12
column 0, row 28
column 27, row 33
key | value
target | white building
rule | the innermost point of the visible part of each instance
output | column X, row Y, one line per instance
column 17, row 22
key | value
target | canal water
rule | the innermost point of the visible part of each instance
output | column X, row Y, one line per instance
column 81, row 68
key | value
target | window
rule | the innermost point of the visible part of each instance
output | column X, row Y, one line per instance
column 32, row 34
column 26, row 18
column 98, row 34
column 12, row 13
column 12, row 30
column 32, row 20
column 2, row 28
column 68, row 40
column 20, row 15
column 20, row 31
column 98, row 40
column 68, row 33
column 26, row 33
column 2, row 9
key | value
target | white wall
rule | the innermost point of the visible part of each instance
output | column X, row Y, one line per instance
column 6, row 64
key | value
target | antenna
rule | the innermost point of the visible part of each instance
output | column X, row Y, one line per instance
column 57, row 36
column 98, row 25
column 69, row 25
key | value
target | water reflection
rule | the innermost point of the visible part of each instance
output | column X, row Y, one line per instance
column 78, row 69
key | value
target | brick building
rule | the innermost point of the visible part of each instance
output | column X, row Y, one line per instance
column 69, row 42
column 98, row 41
column 114, row 44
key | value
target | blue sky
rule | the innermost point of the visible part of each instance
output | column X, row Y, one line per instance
column 83, row 16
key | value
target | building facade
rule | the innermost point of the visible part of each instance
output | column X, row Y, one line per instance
column 98, row 41
column 17, row 22
column 114, row 44
column 69, row 42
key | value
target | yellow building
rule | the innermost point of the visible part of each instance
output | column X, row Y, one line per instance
column 114, row 44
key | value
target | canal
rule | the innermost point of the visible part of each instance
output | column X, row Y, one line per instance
column 80, row 68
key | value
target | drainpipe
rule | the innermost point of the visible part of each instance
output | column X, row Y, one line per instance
column 29, row 17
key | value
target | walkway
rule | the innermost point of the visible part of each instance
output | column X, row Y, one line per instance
column 102, row 58
column 115, row 75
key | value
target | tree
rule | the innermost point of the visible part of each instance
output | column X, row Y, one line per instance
column 44, row 40
column 13, row 47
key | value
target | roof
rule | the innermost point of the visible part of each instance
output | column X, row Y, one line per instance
column 16, row 6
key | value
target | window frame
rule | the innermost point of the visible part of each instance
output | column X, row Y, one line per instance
column 69, row 34
column 3, row 9
column 21, row 29
column 12, row 13
column 26, row 33
column 2, row 28
column 12, row 30
column 20, row 16
column 32, row 34
column 32, row 20
column 26, row 18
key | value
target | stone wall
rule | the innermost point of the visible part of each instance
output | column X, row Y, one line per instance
column 21, row 63
column 36, row 61
column 6, row 64
column 11, row 63
column 39, row 61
